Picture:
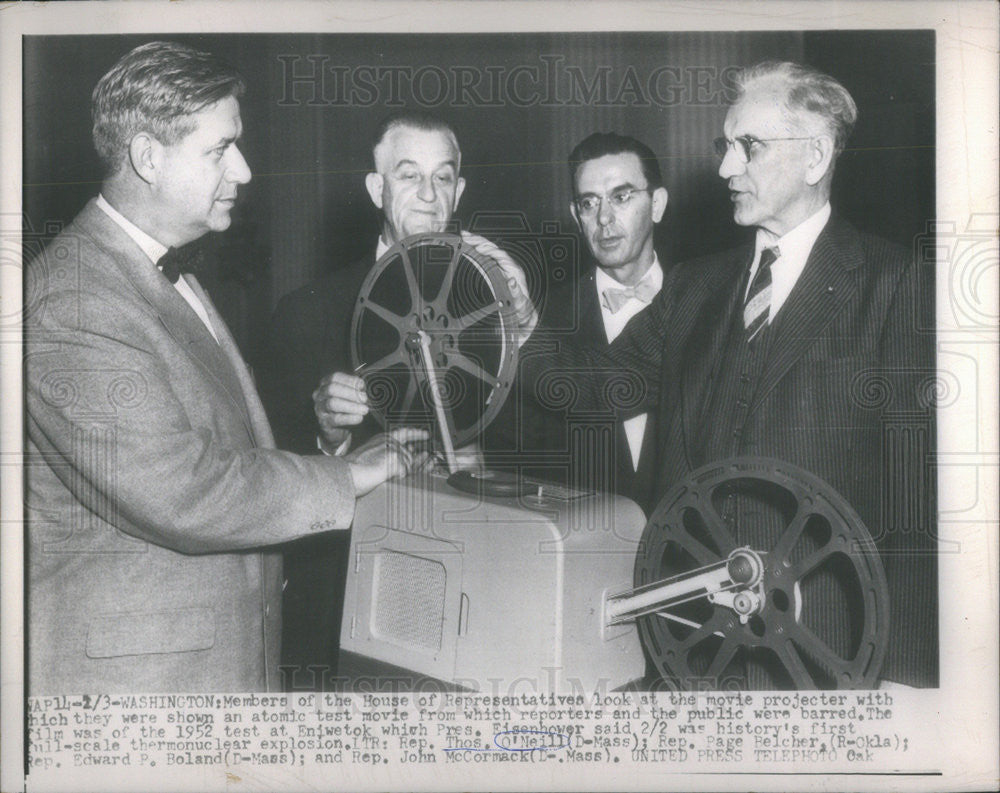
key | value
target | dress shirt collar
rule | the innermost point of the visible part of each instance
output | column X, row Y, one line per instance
column 798, row 242
column 794, row 249
column 153, row 249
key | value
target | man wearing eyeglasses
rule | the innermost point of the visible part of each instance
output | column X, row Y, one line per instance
column 618, row 198
column 776, row 349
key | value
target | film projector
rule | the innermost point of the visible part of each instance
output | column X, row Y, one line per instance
column 751, row 573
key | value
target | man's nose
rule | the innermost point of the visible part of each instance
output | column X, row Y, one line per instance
column 605, row 212
column 427, row 192
column 237, row 169
column 731, row 164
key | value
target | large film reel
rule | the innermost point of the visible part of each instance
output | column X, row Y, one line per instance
column 433, row 335
column 772, row 581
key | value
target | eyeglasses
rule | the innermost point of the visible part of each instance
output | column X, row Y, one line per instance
column 619, row 199
column 743, row 145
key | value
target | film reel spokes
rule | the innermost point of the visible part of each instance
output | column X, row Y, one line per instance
column 433, row 335
column 755, row 574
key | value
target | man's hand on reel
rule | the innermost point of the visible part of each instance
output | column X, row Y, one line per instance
column 340, row 402
column 389, row 455
column 524, row 310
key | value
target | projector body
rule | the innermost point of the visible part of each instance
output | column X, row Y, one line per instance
column 491, row 593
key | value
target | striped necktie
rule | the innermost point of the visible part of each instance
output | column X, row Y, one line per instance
column 758, row 304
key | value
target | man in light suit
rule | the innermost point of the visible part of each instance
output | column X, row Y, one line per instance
column 804, row 345
column 152, row 481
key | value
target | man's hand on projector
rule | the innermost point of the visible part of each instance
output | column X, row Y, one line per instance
column 340, row 402
column 386, row 456
column 524, row 309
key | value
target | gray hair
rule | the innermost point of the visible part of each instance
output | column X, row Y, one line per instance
column 806, row 90
column 413, row 119
column 155, row 88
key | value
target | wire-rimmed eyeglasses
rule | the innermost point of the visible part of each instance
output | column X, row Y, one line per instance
column 744, row 145
column 619, row 199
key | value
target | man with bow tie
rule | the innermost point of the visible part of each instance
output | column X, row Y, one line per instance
column 618, row 198
column 155, row 496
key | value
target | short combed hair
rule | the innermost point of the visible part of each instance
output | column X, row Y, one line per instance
column 155, row 88
column 601, row 144
column 413, row 119
column 806, row 90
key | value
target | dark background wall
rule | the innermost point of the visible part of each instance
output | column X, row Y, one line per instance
column 528, row 99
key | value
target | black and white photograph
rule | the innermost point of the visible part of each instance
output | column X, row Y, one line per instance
column 409, row 401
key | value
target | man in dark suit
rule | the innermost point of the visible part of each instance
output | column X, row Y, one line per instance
column 804, row 345
column 153, row 483
column 416, row 186
column 618, row 197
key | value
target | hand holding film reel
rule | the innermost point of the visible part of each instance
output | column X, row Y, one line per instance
column 441, row 351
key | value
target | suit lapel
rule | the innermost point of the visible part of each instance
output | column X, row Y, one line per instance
column 590, row 320
column 177, row 317
column 707, row 341
column 825, row 286
column 254, row 410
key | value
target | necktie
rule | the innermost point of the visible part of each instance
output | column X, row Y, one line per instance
column 758, row 304
column 179, row 260
column 615, row 298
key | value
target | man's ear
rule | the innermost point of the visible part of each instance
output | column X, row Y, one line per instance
column 820, row 158
column 659, row 203
column 576, row 217
column 373, row 183
column 459, row 189
column 144, row 154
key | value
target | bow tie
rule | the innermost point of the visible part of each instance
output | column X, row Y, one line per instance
column 179, row 260
column 615, row 298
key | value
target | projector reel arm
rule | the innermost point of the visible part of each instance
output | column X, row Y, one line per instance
column 735, row 583
column 445, row 425
column 755, row 571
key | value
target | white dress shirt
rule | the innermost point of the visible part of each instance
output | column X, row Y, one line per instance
column 614, row 323
column 155, row 250
column 795, row 248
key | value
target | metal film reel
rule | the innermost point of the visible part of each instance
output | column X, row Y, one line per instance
column 433, row 335
column 775, row 583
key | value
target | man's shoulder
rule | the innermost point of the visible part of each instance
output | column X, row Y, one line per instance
column 708, row 270
column 568, row 300
column 79, row 260
column 339, row 286
column 871, row 255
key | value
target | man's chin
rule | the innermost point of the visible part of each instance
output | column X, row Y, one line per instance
column 220, row 221
column 744, row 216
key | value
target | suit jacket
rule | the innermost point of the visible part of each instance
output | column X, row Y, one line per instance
column 151, row 483
column 843, row 394
column 540, row 421
column 309, row 339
